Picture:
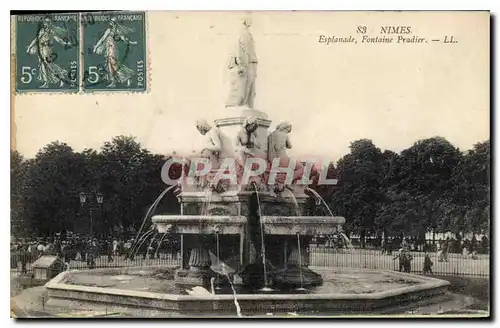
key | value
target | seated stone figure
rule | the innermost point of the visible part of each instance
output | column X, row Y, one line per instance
column 211, row 148
column 247, row 146
column 278, row 142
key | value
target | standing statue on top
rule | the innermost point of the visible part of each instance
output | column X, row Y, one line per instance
column 243, row 69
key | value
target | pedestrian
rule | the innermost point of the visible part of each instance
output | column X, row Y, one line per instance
column 465, row 251
column 144, row 250
column 115, row 247
column 402, row 257
column 40, row 248
column 407, row 260
column 91, row 254
column 78, row 256
column 440, row 252
column 152, row 248
column 445, row 249
column 14, row 256
column 24, row 259
column 110, row 251
column 127, row 248
column 428, row 264
column 65, row 252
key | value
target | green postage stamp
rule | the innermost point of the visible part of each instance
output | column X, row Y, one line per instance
column 47, row 51
column 114, row 51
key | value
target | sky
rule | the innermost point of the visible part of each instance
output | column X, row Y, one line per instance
column 393, row 94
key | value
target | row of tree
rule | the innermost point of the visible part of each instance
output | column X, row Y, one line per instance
column 45, row 190
column 431, row 186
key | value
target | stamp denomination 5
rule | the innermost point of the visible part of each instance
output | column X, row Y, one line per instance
column 47, row 50
column 115, row 51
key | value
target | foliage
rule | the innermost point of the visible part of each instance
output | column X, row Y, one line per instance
column 18, row 176
column 45, row 190
column 360, row 190
column 431, row 186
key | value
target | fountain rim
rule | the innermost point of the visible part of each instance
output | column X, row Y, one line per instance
column 425, row 283
column 274, row 219
column 181, row 218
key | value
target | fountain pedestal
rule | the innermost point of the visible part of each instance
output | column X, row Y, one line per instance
column 230, row 126
column 294, row 233
column 199, row 234
column 296, row 271
column 199, row 272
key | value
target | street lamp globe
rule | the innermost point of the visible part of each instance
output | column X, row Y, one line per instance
column 99, row 197
column 83, row 198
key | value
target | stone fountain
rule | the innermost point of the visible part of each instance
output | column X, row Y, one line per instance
column 258, row 221
column 247, row 230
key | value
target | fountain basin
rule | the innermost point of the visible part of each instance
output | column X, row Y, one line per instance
column 230, row 224
column 200, row 224
column 304, row 225
column 345, row 291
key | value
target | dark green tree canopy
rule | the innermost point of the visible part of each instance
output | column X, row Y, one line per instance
column 431, row 186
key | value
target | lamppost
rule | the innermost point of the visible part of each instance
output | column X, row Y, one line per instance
column 83, row 198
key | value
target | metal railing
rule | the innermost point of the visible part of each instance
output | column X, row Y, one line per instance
column 455, row 264
column 100, row 261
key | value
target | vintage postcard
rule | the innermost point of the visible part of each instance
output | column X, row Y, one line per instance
column 250, row 164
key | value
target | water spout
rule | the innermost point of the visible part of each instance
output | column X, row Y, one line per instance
column 220, row 267
column 150, row 243
column 297, row 210
column 318, row 196
column 151, row 210
column 263, row 246
column 159, row 244
column 206, row 201
column 218, row 257
column 238, row 308
column 140, row 240
column 143, row 240
column 225, row 270
column 300, row 265
column 348, row 243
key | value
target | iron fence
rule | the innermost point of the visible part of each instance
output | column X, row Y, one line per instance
column 100, row 261
column 455, row 264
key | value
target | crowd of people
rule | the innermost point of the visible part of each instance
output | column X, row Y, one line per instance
column 74, row 247
column 87, row 249
column 444, row 247
column 405, row 245
column 465, row 246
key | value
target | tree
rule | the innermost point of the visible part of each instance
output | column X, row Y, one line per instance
column 20, row 221
column 424, row 171
column 470, row 196
column 131, row 180
column 359, row 194
column 52, row 184
column 429, row 186
column 325, row 191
